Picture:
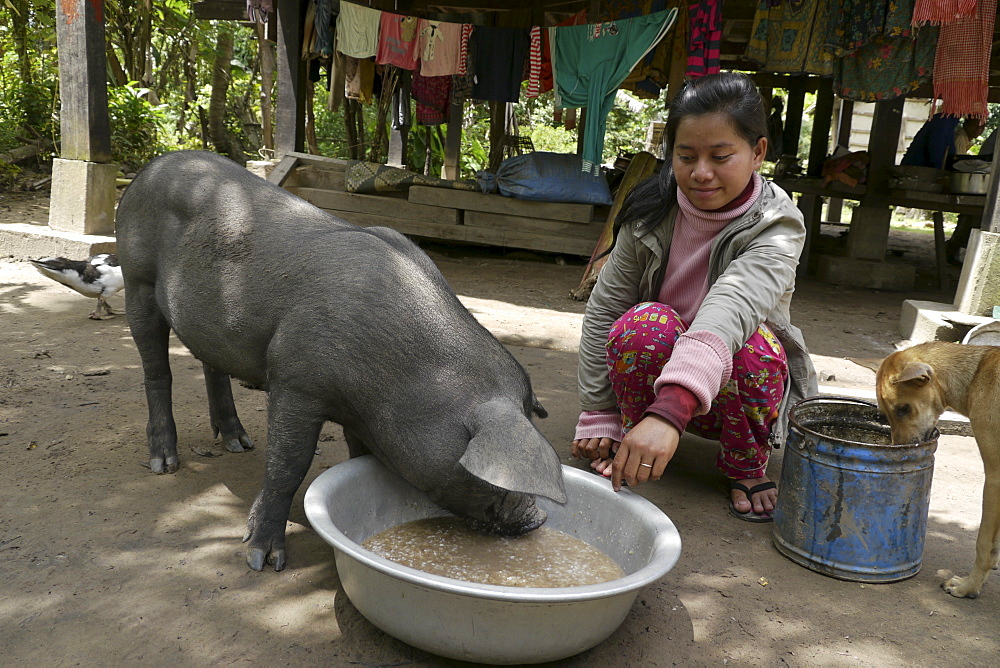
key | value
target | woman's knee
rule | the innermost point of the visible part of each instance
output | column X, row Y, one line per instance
column 644, row 322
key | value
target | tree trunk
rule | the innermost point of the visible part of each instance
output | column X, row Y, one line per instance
column 19, row 21
column 190, row 70
column 118, row 75
column 220, row 137
column 268, row 65
column 354, row 118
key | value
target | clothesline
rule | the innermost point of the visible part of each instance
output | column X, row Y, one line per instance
column 584, row 64
column 873, row 51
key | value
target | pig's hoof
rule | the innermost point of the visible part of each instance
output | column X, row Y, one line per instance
column 160, row 465
column 265, row 547
column 256, row 558
column 240, row 444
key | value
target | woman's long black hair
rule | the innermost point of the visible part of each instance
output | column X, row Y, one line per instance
column 730, row 93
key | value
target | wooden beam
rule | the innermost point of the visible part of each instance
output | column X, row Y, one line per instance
column 83, row 89
column 280, row 173
column 289, row 132
column 786, row 81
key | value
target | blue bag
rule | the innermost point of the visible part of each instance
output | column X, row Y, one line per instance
column 543, row 176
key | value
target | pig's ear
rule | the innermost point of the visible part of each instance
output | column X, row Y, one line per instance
column 917, row 373
column 507, row 451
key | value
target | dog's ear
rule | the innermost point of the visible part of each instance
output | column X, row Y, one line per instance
column 918, row 373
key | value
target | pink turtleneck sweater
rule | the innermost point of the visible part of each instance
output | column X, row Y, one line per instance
column 701, row 363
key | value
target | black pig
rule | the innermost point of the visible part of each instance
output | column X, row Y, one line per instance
column 336, row 322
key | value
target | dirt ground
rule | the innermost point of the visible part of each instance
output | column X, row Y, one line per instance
column 103, row 563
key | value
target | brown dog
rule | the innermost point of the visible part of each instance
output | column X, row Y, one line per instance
column 914, row 387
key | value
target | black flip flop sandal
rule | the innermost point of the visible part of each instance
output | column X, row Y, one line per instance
column 751, row 516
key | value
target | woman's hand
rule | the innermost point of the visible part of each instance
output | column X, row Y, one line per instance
column 592, row 448
column 645, row 451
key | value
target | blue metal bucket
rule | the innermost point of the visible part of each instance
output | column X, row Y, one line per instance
column 851, row 504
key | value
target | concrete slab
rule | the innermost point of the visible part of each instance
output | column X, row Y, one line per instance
column 978, row 290
column 24, row 241
column 922, row 321
column 857, row 273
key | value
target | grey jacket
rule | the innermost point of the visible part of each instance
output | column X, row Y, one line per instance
column 751, row 277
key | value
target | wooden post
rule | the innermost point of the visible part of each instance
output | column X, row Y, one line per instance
column 819, row 144
column 845, row 116
column 453, row 141
column 83, row 119
column 498, row 127
column 289, row 133
column 868, row 238
column 83, row 179
column 991, row 212
column 793, row 116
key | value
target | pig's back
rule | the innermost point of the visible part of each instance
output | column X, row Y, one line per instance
column 242, row 266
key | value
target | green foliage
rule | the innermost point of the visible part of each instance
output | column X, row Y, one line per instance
column 135, row 126
column 553, row 138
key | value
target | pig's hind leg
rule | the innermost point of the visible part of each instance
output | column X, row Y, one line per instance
column 151, row 333
column 222, row 411
column 293, row 426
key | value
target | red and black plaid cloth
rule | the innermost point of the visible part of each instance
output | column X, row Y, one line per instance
column 939, row 12
column 962, row 62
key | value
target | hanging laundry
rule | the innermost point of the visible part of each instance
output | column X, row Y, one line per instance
column 545, row 79
column 463, row 49
column 705, row 45
column 338, row 80
column 886, row 68
column 648, row 78
column 259, row 10
column 462, row 82
column 357, row 30
column 789, row 37
column 534, row 62
column 324, row 27
column 432, row 95
column 591, row 61
column 878, row 53
column 359, row 79
column 498, row 58
column 939, row 12
column 962, row 63
column 853, row 23
column 397, row 44
column 439, row 44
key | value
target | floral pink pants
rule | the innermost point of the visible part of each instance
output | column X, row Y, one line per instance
column 640, row 343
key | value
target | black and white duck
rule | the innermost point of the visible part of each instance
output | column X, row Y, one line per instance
column 98, row 276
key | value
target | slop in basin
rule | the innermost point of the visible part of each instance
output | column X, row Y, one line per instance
column 356, row 499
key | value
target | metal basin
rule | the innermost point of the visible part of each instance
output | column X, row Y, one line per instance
column 986, row 334
column 478, row 622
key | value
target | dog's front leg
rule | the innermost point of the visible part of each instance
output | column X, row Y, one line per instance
column 988, row 542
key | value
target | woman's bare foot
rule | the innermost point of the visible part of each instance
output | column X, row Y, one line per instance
column 602, row 466
column 753, row 496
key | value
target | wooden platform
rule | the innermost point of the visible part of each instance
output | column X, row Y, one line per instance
column 446, row 214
